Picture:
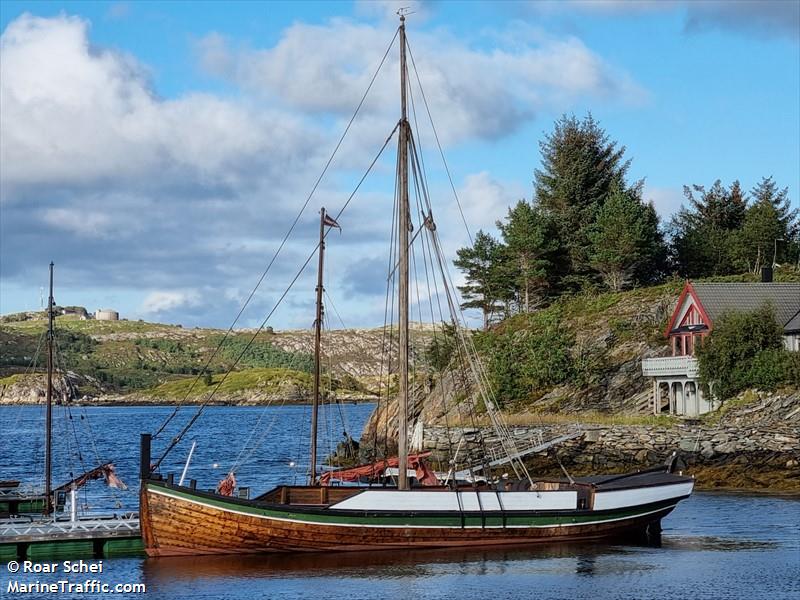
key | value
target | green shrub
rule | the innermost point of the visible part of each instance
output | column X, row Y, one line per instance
column 442, row 348
column 746, row 350
column 263, row 355
column 528, row 356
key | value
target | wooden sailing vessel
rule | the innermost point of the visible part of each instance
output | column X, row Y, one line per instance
column 179, row 520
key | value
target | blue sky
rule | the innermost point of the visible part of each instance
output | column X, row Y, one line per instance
column 157, row 151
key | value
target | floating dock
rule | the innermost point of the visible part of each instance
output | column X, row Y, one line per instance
column 34, row 538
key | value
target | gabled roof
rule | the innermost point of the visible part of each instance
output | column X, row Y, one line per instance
column 720, row 298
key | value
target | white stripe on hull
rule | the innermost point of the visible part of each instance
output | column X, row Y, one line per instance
column 638, row 496
column 421, row 500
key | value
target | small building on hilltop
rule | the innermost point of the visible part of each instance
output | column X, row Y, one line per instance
column 676, row 385
column 106, row 314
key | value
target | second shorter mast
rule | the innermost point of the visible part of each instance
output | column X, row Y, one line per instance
column 312, row 480
column 48, row 439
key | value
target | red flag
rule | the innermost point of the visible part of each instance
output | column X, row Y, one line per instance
column 227, row 485
column 331, row 222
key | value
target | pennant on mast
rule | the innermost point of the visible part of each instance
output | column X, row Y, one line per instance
column 331, row 222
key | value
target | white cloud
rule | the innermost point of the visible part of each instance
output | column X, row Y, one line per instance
column 484, row 201
column 603, row 6
column 472, row 91
column 161, row 301
column 76, row 114
column 77, row 221
column 182, row 201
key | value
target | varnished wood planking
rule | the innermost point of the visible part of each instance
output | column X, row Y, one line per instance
column 175, row 526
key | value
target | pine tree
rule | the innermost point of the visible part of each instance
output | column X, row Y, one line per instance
column 704, row 233
column 481, row 264
column 625, row 240
column 769, row 227
column 580, row 166
column 530, row 251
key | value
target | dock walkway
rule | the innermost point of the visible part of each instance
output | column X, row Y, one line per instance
column 97, row 536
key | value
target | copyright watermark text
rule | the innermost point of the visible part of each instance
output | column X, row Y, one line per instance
column 65, row 586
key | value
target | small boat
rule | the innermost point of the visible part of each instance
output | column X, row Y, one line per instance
column 17, row 499
column 413, row 513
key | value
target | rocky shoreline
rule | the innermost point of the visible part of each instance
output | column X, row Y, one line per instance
column 139, row 400
column 754, row 447
column 30, row 390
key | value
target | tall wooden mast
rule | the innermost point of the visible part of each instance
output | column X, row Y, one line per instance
column 48, row 450
column 403, row 223
column 312, row 479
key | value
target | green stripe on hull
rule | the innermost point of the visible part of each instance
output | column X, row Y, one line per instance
column 450, row 519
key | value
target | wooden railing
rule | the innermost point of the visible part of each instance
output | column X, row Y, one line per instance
column 682, row 366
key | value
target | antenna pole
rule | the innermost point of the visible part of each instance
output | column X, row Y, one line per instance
column 48, row 452
column 312, row 479
column 403, row 222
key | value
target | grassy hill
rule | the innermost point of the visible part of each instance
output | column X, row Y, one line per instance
column 135, row 358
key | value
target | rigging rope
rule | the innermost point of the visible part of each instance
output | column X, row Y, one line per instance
column 342, row 414
column 313, row 253
column 438, row 143
column 476, row 366
column 285, row 239
column 241, row 458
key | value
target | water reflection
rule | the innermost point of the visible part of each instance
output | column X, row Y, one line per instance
column 583, row 558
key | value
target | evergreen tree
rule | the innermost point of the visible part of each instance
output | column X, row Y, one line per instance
column 704, row 233
column 529, row 253
column 580, row 166
column 769, row 228
column 653, row 266
column 767, row 191
column 625, row 240
column 481, row 266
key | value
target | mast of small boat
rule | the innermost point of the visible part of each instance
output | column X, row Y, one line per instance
column 312, row 479
column 49, row 414
column 403, row 224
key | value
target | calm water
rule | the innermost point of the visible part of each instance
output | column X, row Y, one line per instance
column 713, row 546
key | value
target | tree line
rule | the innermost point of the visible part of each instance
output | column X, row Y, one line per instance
column 588, row 227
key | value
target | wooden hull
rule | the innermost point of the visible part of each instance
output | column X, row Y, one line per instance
column 179, row 521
